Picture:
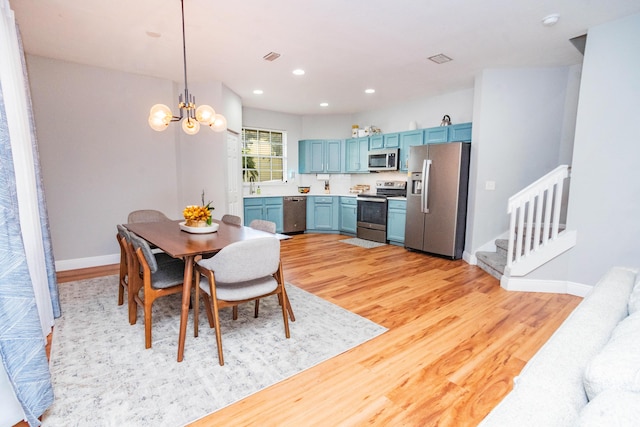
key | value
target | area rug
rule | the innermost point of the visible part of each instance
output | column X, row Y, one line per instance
column 103, row 376
column 368, row 244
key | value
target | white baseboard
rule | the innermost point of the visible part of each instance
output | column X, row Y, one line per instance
column 74, row 264
column 469, row 258
column 548, row 286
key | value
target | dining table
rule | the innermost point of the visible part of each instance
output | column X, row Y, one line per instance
column 171, row 239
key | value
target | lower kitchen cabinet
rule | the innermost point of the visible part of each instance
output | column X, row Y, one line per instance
column 396, row 220
column 323, row 213
column 348, row 214
column 267, row 208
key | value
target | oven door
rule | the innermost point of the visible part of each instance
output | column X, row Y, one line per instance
column 372, row 213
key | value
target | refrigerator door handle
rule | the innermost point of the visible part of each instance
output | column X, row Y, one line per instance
column 426, row 169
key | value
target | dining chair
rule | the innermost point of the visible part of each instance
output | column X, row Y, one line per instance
column 123, row 278
column 155, row 279
column 241, row 272
column 231, row 219
column 269, row 227
column 264, row 225
column 146, row 215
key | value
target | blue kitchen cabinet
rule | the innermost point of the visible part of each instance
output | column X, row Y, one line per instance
column 323, row 213
column 266, row 208
column 356, row 158
column 396, row 220
column 384, row 140
column 409, row 139
column 320, row 156
column 348, row 214
column 376, row 141
column 391, row 140
column 460, row 132
column 436, row 135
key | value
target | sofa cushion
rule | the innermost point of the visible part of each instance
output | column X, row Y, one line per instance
column 611, row 408
column 617, row 365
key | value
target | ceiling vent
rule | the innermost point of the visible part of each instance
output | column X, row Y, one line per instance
column 439, row 58
column 271, row 56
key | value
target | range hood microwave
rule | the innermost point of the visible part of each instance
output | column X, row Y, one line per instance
column 383, row 160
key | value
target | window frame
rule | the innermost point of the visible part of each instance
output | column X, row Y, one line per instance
column 283, row 157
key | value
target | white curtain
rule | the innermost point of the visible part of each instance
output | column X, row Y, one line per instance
column 17, row 114
column 28, row 287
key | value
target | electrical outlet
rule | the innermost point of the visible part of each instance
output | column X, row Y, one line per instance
column 490, row 185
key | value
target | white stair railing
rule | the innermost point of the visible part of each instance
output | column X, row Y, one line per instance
column 535, row 217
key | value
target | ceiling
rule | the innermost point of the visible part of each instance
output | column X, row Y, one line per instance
column 345, row 46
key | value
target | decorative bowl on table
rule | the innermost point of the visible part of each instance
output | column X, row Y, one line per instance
column 199, row 229
column 198, row 219
column 304, row 190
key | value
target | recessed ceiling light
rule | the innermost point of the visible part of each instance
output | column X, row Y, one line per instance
column 298, row 72
column 439, row 58
column 369, row 91
column 258, row 92
column 550, row 20
column 324, row 104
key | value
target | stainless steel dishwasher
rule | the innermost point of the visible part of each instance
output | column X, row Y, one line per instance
column 295, row 214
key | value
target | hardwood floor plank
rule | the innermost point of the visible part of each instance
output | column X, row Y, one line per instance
column 455, row 340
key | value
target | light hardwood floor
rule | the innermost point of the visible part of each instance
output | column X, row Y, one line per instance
column 455, row 340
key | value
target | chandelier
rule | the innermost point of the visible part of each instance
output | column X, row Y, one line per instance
column 160, row 115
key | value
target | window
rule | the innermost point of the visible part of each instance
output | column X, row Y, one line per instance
column 263, row 155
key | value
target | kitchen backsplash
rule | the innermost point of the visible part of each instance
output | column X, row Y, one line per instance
column 338, row 183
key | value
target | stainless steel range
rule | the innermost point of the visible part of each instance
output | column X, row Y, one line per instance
column 372, row 210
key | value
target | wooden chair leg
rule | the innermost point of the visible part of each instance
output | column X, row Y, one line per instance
column 147, row 322
column 256, row 308
column 216, row 318
column 196, row 308
column 235, row 312
column 207, row 306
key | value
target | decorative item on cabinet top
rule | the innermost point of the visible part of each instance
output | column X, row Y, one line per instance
column 446, row 120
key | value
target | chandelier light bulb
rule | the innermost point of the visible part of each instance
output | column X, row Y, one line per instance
column 190, row 126
column 219, row 124
column 160, row 111
column 205, row 114
column 158, row 123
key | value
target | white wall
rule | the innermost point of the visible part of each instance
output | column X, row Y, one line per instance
column 518, row 136
column 604, row 205
column 100, row 159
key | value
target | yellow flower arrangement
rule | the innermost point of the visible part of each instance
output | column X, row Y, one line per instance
column 198, row 216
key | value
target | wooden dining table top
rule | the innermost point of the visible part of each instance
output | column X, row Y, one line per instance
column 168, row 236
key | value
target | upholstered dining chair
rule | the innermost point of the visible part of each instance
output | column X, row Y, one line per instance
column 127, row 269
column 241, row 272
column 264, row 225
column 269, row 227
column 155, row 280
column 231, row 219
column 146, row 215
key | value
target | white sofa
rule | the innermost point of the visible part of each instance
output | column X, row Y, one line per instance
column 588, row 372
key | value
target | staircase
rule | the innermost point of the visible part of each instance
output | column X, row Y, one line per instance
column 535, row 233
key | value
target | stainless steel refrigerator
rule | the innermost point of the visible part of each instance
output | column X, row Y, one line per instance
column 437, row 198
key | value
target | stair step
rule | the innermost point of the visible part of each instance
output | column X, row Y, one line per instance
column 492, row 262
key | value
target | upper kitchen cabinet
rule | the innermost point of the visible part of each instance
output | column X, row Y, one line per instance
column 320, row 156
column 376, row 141
column 461, row 132
column 408, row 139
column 356, row 150
column 384, row 140
column 436, row 135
